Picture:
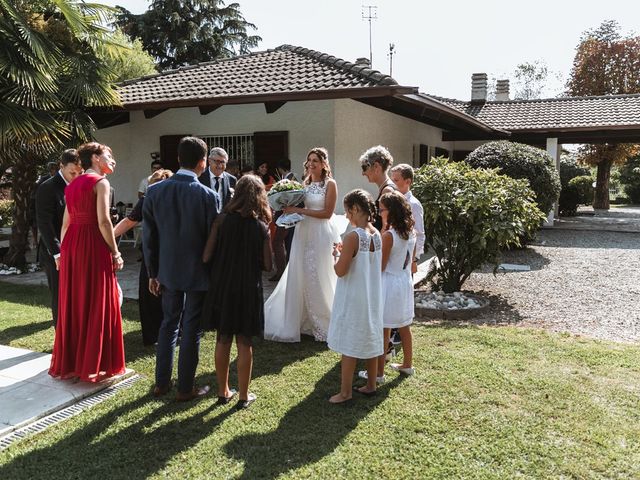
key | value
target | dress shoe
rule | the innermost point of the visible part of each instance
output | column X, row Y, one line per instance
column 159, row 391
column 195, row 393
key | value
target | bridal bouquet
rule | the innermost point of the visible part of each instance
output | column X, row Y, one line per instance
column 286, row 193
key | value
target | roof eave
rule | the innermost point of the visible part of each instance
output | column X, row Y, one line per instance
column 330, row 94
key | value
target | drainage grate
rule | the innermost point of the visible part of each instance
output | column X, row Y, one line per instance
column 67, row 412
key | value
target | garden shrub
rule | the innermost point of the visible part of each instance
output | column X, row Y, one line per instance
column 568, row 201
column 518, row 161
column 584, row 188
column 6, row 213
column 630, row 179
column 570, row 169
column 470, row 215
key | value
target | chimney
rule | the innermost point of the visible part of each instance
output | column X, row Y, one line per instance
column 502, row 90
column 479, row 88
column 363, row 61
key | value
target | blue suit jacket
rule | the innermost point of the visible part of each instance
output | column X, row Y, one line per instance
column 177, row 214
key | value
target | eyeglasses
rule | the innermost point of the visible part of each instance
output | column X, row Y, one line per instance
column 219, row 162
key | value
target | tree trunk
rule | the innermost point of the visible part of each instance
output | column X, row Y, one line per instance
column 601, row 196
column 23, row 181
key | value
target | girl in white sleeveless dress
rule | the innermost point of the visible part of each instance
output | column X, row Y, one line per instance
column 355, row 330
column 301, row 302
column 398, row 251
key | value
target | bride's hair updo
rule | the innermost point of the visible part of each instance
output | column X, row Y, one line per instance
column 361, row 199
column 323, row 155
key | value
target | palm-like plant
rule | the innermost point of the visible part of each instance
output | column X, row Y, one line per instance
column 50, row 73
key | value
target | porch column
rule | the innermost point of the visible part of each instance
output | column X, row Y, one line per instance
column 553, row 149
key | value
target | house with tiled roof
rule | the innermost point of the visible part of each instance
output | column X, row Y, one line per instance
column 281, row 102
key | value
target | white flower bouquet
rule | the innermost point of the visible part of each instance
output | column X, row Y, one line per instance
column 286, row 193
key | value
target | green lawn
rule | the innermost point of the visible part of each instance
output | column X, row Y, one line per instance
column 485, row 403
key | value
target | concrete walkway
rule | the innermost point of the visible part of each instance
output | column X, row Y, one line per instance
column 616, row 219
column 28, row 393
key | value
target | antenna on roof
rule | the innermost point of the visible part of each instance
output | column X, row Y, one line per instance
column 392, row 51
column 369, row 13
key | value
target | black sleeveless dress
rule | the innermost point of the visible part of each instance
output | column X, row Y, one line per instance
column 234, row 304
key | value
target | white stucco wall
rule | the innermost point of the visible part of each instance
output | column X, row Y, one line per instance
column 359, row 126
column 309, row 124
column 345, row 127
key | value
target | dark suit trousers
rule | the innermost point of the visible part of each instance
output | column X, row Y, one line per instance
column 173, row 303
column 49, row 265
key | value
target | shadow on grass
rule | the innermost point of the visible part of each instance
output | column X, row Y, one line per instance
column 308, row 432
column 11, row 334
column 29, row 295
column 137, row 451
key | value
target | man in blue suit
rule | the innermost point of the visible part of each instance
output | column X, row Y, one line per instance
column 178, row 214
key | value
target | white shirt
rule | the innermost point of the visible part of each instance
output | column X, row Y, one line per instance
column 184, row 171
column 144, row 184
column 418, row 217
column 213, row 181
column 65, row 180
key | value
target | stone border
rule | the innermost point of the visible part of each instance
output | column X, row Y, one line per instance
column 424, row 313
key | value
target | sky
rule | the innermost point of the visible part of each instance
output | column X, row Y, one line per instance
column 438, row 45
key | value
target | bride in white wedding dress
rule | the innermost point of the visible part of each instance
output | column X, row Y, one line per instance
column 302, row 300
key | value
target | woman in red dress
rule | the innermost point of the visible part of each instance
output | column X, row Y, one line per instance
column 88, row 343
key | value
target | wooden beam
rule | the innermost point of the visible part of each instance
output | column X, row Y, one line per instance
column 152, row 113
column 271, row 107
column 206, row 109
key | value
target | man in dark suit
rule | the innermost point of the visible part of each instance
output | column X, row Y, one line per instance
column 216, row 178
column 178, row 214
column 49, row 212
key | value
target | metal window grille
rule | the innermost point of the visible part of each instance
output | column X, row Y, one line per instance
column 239, row 147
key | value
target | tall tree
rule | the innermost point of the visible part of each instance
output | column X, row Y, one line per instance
column 183, row 32
column 606, row 63
column 530, row 80
column 51, row 71
column 132, row 62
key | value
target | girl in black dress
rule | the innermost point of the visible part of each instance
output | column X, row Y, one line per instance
column 238, row 250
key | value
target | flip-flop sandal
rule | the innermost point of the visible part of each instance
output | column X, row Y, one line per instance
column 242, row 404
column 362, row 392
column 225, row 400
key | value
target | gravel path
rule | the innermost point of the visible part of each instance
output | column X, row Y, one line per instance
column 583, row 282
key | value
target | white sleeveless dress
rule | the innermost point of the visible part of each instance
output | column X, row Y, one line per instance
column 397, row 285
column 356, row 320
column 301, row 302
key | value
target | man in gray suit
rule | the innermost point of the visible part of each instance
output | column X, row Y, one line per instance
column 178, row 214
column 216, row 178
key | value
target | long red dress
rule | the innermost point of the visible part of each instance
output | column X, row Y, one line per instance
column 88, row 342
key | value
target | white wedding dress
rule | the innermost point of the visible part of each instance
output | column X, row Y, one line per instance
column 302, row 300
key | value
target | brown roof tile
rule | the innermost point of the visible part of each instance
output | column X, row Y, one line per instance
column 554, row 113
column 286, row 69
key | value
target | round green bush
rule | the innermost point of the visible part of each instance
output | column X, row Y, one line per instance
column 630, row 179
column 470, row 215
column 584, row 189
column 6, row 213
column 521, row 161
column 570, row 169
column 568, row 201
